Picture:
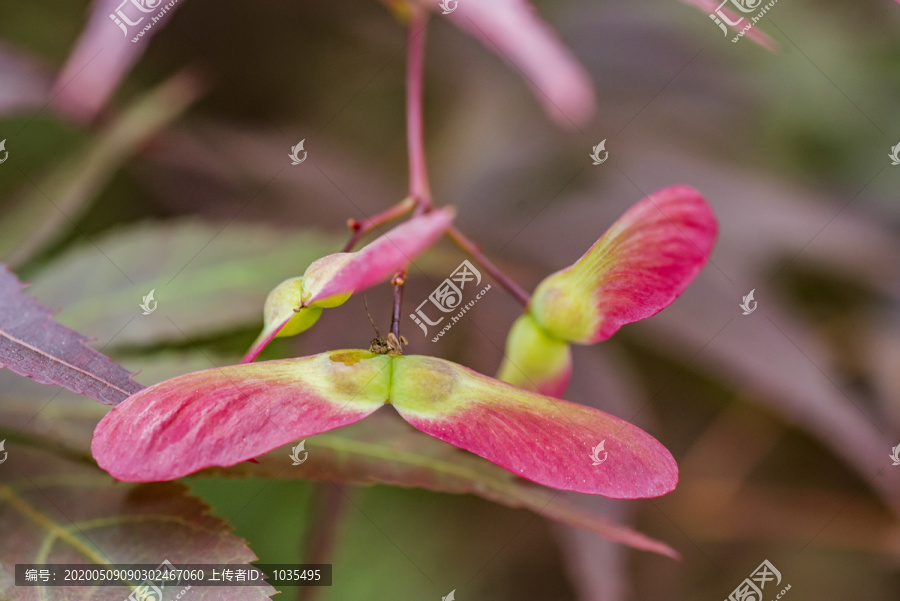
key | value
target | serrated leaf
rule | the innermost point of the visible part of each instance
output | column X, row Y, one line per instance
column 221, row 278
column 57, row 511
column 33, row 345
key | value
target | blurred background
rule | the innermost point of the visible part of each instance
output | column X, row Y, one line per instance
column 782, row 421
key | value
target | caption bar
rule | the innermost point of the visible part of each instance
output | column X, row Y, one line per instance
column 168, row 574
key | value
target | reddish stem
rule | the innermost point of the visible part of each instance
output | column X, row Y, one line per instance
column 361, row 228
column 474, row 251
column 419, row 190
column 415, row 69
column 398, row 282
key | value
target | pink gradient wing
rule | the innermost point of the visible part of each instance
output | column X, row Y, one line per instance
column 223, row 416
column 377, row 261
column 640, row 265
column 548, row 441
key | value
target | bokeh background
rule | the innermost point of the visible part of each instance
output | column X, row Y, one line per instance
column 782, row 421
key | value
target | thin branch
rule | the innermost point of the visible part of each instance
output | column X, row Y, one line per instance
column 361, row 228
column 398, row 282
column 474, row 251
column 415, row 69
column 419, row 189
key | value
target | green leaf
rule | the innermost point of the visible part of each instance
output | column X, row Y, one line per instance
column 207, row 279
column 57, row 511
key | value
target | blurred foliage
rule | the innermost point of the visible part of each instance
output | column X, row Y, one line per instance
column 782, row 421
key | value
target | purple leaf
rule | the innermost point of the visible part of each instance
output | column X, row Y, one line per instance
column 32, row 344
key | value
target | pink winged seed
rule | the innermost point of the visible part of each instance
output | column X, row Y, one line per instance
column 221, row 417
column 548, row 441
column 385, row 256
column 640, row 266
column 334, row 276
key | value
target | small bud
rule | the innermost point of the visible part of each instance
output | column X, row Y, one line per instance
column 295, row 304
column 284, row 302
